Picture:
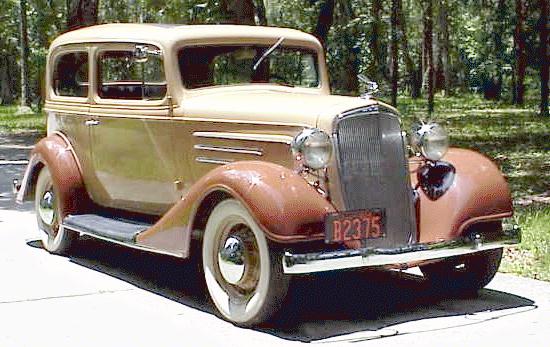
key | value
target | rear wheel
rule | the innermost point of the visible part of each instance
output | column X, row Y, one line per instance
column 243, row 273
column 465, row 274
column 48, row 216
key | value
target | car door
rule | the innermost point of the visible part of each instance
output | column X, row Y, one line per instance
column 131, row 132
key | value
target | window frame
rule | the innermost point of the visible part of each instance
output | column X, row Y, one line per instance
column 117, row 47
column 262, row 42
column 54, row 59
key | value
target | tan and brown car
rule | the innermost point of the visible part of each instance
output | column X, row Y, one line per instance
column 224, row 143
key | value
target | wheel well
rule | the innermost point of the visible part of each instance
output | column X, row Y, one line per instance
column 199, row 222
column 206, row 207
column 31, row 186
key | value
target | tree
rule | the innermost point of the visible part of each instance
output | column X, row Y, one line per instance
column 261, row 12
column 520, row 53
column 414, row 74
column 444, row 44
column 238, row 11
column 395, row 10
column 428, row 49
column 500, row 50
column 324, row 21
column 544, row 58
column 81, row 13
column 376, row 67
column 24, row 47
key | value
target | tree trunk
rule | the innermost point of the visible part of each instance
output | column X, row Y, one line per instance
column 6, row 92
column 444, row 45
column 238, row 12
column 415, row 75
column 520, row 53
column 395, row 6
column 544, row 57
column 260, row 12
column 349, row 82
column 24, row 46
column 428, row 47
column 376, row 68
column 81, row 13
column 324, row 22
column 499, row 46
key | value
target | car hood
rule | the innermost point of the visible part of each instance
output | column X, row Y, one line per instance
column 269, row 106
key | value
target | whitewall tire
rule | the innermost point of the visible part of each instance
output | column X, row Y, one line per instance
column 243, row 273
column 48, row 216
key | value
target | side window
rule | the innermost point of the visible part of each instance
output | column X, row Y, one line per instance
column 122, row 76
column 70, row 76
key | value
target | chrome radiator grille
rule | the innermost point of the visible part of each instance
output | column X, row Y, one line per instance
column 373, row 170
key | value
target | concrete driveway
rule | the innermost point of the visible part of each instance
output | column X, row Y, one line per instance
column 106, row 295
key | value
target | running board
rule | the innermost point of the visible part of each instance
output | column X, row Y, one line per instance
column 105, row 227
column 120, row 231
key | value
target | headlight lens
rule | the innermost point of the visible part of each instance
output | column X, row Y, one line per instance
column 431, row 140
column 314, row 146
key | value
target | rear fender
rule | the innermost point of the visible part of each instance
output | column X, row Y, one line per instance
column 55, row 152
column 479, row 193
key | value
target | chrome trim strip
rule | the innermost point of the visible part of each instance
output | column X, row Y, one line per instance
column 239, row 150
column 369, row 257
column 244, row 137
column 213, row 160
column 14, row 162
column 130, row 245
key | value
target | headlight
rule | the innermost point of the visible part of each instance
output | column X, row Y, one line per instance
column 314, row 146
column 430, row 139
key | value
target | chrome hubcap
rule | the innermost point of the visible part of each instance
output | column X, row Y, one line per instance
column 238, row 260
column 231, row 260
column 46, row 207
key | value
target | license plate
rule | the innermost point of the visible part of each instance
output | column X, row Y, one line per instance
column 354, row 225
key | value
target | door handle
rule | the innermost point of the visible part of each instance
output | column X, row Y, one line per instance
column 91, row 122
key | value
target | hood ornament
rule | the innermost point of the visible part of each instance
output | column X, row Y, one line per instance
column 371, row 87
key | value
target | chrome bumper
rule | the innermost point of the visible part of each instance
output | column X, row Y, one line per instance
column 372, row 257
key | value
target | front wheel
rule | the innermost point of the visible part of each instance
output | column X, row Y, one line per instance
column 48, row 216
column 464, row 275
column 243, row 273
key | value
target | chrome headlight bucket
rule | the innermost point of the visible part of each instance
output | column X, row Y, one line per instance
column 314, row 147
column 430, row 139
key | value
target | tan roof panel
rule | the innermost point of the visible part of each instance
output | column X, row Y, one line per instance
column 166, row 34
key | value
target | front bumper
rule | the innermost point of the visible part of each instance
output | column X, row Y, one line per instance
column 397, row 257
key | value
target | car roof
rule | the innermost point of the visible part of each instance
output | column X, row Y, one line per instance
column 167, row 35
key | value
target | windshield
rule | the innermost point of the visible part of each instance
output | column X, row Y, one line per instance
column 206, row 66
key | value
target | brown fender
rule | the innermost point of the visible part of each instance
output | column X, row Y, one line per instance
column 281, row 201
column 479, row 193
column 57, row 154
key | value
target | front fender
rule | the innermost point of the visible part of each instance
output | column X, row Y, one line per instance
column 479, row 193
column 286, row 207
column 56, row 152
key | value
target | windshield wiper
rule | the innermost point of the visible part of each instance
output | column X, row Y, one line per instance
column 268, row 52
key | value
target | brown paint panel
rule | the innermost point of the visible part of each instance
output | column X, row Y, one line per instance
column 282, row 202
column 55, row 153
column 479, row 193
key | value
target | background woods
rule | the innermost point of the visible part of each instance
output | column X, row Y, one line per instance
column 497, row 48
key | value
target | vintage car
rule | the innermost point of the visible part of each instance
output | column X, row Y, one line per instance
column 224, row 143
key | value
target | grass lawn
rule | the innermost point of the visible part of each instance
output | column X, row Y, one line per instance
column 12, row 123
column 519, row 141
column 516, row 138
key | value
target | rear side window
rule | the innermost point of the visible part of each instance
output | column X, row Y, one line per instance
column 122, row 76
column 70, row 76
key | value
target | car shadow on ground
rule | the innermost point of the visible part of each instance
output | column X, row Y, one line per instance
column 323, row 306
